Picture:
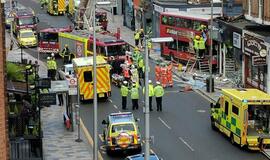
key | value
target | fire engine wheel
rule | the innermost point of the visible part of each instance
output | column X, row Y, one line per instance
column 232, row 138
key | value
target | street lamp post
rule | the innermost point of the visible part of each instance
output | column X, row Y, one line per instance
column 147, row 116
column 211, row 50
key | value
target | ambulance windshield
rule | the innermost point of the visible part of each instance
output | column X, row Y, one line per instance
column 258, row 120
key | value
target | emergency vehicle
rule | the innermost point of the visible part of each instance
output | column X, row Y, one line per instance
column 244, row 116
column 48, row 39
column 24, row 18
column 83, row 68
column 121, row 133
column 56, row 7
column 26, row 38
column 72, row 9
column 109, row 45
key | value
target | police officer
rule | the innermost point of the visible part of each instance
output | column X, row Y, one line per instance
column 201, row 47
column 141, row 37
column 151, row 94
column 49, row 67
column 124, row 94
column 66, row 54
column 137, row 37
column 159, row 92
column 54, row 68
column 134, row 94
column 196, row 42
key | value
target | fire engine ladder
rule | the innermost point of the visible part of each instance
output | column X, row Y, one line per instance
column 88, row 7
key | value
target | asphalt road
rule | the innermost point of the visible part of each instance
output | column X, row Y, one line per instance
column 181, row 131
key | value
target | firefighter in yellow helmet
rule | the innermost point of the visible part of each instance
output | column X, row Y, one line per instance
column 196, row 42
column 137, row 37
column 201, row 47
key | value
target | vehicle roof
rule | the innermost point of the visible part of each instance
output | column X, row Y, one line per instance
column 24, row 12
column 88, row 61
column 25, row 30
column 56, row 30
column 205, row 17
column 121, row 117
column 141, row 157
column 246, row 94
column 100, row 36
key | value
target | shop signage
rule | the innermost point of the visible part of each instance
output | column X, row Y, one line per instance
column 182, row 33
column 59, row 86
column 47, row 99
column 258, row 61
column 236, row 40
column 253, row 45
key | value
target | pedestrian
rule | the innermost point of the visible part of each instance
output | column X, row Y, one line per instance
column 134, row 96
column 60, row 95
column 124, row 94
column 54, row 69
column 137, row 37
column 159, row 92
column 66, row 54
column 141, row 37
column 151, row 94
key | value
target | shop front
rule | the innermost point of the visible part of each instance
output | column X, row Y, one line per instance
column 255, row 61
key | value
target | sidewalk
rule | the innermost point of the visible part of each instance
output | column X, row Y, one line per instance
column 58, row 143
column 127, row 35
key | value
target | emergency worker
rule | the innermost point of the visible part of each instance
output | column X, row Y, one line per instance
column 140, row 67
column 149, row 47
column 52, row 56
column 201, row 47
column 141, row 37
column 124, row 94
column 134, row 94
column 196, row 42
column 151, row 94
column 134, row 74
column 54, row 69
column 49, row 67
column 137, row 37
column 159, row 92
column 66, row 54
column 136, row 55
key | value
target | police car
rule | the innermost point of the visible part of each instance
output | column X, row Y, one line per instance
column 121, row 133
column 27, row 38
column 141, row 157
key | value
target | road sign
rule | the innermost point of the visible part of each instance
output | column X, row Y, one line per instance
column 79, row 49
column 72, row 86
column 46, row 99
column 59, row 86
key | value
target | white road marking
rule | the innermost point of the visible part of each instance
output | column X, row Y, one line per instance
column 181, row 139
column 165, row 124
column 201, row 111
column 110, row 100
column 115, row 106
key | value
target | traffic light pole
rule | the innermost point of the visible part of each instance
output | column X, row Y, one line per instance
column 211, row 50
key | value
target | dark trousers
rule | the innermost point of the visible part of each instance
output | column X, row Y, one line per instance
column 60, row 99
column 135, row 104
column 66, row 59
column 53, row 74
column 159, row 103
column 136, row 42
column 49, row 75
column 124, row 102
column 201, row 53
column 150, row 103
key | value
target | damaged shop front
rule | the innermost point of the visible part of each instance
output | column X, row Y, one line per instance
column 255, row 62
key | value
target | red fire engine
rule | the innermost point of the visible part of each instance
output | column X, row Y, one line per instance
column 24, row 18
column 102, row 20
column 48, row 39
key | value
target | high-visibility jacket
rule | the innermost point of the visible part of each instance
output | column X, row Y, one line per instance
column 134, row 93
column 151, row 90
column 149, row 45
column 54, row 64
column 124, row 91
column 159, row 91
column 140, row 63
column 196, row 44
column 49, row 64
column 137, row 35
column 201, row 44
column 134, row 75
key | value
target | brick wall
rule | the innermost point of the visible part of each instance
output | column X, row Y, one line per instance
column 255, row 10
column 4, row 150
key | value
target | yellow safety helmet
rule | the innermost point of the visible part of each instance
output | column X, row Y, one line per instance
column 141, row 30
column 66, row 45
column 197, row 37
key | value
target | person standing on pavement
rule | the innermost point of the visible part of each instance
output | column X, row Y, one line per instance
column 124, row 94
column 49, row 67
column 137, row 37
column 151, row 94
column 159, row 92
column 54, row 69
column 134, row 94
column 60, row 95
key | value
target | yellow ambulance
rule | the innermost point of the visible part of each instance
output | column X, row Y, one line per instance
column 56, row 7
column 83, row 68
column 243, row 115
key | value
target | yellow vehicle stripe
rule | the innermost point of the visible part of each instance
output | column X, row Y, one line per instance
column 61, row 5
